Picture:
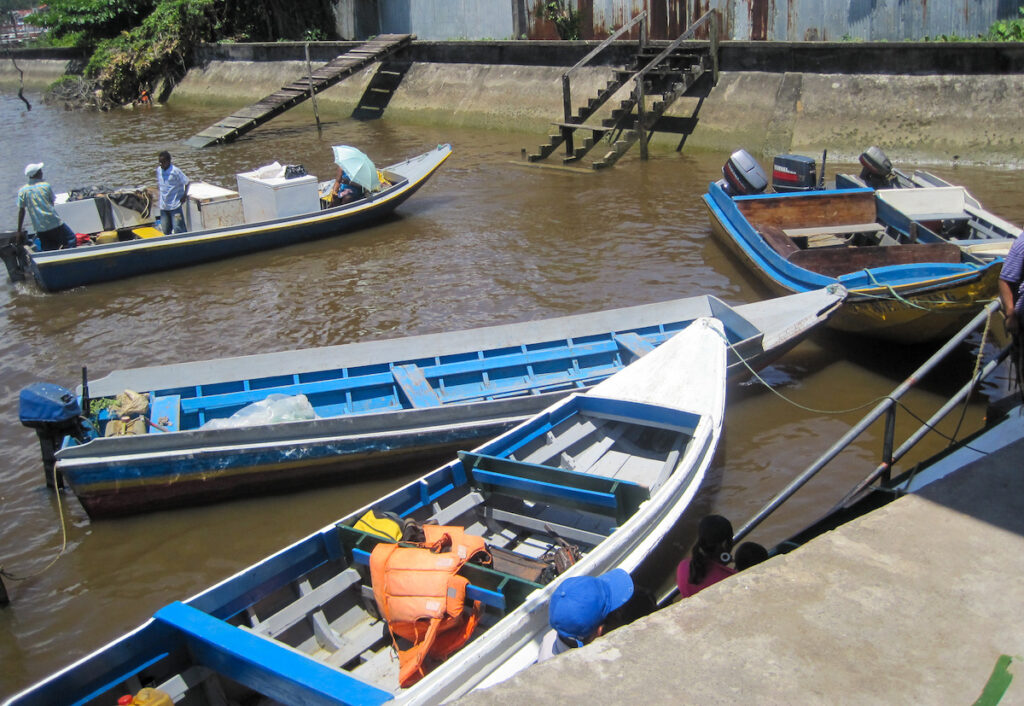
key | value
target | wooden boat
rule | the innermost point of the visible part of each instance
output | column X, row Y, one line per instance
column 83, row 265
column 381, row 404
column 608, row 472
column 900, row 287
column 922, row 205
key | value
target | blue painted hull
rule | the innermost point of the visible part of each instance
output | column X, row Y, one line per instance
column 65, row 269
column 295, row 627
column 370, row 416
column 908, row 302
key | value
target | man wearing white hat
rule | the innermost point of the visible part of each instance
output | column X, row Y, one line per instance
column 36, row 198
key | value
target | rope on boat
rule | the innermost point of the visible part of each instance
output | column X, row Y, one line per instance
column 63, row 545
column 898, row 402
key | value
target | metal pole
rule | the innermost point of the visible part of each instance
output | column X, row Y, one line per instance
column 945, row 409
column 864, row 423
column 312, row 93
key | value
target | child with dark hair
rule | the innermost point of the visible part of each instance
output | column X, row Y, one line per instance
column 748, row 554
column 708, row 562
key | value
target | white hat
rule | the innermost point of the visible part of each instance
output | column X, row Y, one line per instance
column 33, row 168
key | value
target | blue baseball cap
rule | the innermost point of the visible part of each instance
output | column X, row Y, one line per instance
column 581, row 603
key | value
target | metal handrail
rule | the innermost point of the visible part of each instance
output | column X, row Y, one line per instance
column 566, row 90
column 871, row 417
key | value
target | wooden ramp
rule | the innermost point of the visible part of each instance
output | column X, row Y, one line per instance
column 341, row 67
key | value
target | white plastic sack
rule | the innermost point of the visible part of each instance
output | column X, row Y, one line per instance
column 275, row 408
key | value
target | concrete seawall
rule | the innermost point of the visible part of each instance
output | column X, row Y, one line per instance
column 970, row 116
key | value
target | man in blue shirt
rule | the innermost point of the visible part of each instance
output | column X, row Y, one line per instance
column 173, row 187
column 36, row 198
column 1011, row 284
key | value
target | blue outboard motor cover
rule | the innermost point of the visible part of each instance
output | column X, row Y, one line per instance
column 43, row 402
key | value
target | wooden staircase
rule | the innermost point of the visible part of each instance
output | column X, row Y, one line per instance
column 662, row 74
column 300, row 90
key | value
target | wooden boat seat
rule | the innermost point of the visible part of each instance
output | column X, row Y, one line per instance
column 838, row 262
column 271, row 669
column 489, row 586
column 599, row 494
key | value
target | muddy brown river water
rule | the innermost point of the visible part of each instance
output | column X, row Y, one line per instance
column 487, row 241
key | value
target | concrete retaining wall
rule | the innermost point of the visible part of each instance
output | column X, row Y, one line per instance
column 803, row 105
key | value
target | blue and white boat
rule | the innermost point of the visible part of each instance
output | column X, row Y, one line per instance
column 602, row 476
column 375, row 404
column 905, row 282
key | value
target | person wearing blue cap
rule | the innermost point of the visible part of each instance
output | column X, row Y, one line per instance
column 579, row 607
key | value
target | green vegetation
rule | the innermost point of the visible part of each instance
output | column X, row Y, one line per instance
column 566, row 19
column 1000, row 31
column 1008, row 30
column 147, row 45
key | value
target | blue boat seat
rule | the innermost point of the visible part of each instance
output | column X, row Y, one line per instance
column 606, row 496
column 165, row 412
column 284, row 675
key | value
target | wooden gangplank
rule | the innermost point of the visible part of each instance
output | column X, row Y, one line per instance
column 334, row 71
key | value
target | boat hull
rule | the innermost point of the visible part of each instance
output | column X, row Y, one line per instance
column 65, row 269
column 910, row 303
column 297, row 627
column 123, row 475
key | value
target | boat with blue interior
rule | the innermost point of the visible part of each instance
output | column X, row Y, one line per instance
column 908, row 279
column 203, row 431
column 590, row 484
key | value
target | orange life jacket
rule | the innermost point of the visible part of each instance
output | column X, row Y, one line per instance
column 420, row 596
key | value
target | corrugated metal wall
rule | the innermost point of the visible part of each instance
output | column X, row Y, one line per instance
column 773, row 20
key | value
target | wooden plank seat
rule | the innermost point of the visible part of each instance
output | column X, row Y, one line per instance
column 845, row 229
column 834, row 263
column 493, row 588
column 611, row 497
column 265, row 666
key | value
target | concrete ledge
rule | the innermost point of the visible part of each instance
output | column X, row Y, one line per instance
column 913, row 603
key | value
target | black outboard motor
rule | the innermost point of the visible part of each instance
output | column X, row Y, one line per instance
column 794, row 172
column 876, row 169
column 12, row 252
column 54, row 412
column 743, row 175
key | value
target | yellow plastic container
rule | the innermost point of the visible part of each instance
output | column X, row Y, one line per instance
column 147, row 232
column 107, row 236
column 152, row 697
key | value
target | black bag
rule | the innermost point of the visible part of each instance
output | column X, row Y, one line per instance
column 294, row 171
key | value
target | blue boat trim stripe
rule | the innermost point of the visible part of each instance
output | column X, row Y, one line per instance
column 263, row 665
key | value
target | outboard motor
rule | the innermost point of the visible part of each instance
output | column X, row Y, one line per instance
column 876, row 169
column 743, row 175
column 54, row 412
column 794, row 172
column 12, row 252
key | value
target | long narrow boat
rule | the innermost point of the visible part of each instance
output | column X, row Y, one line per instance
column 378, row 404
column 602, row 475
column 900, row 287
column 63, row 269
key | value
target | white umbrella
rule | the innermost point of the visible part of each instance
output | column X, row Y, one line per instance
column 357, row 166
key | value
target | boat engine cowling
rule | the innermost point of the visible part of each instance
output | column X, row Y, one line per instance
column 876, row 168
column 743, row 175
column 54, row 412
column 794, row 172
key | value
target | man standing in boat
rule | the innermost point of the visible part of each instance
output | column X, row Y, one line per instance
column 36, row 198
column 173, row 185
